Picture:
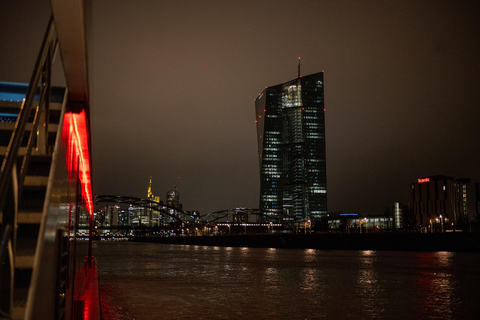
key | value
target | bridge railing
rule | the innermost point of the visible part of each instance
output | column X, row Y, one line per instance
column 164, row 209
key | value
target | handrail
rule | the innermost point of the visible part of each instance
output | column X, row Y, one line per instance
column 17, row 135
column 6, row 275
column 11, row 180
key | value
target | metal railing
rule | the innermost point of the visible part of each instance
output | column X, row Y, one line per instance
column 11, row 178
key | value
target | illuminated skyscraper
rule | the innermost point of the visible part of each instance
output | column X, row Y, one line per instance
column 173, row 200
column 149, row 217
column 150, row 195
column 149, row 191
column 290, row 121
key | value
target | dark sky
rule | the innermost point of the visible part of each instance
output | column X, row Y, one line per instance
column 173, row 84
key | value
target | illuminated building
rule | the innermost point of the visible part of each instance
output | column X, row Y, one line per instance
column 442, row 203
column 173, row 199
column 290, row 121
column 353, row 223
column 150, row 195
column 401, row 216
column 149, row 218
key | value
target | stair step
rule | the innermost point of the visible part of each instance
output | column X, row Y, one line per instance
column 28, row 217
column 18, row 309
column 35, row 181
column 24, row 262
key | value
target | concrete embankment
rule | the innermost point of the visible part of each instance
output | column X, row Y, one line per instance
column 458, row 242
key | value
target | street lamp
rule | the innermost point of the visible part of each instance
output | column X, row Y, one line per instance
column 362, row 222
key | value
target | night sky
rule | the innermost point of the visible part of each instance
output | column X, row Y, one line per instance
column 173, row 83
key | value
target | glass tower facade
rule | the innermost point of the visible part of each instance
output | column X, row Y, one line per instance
column 290, row 121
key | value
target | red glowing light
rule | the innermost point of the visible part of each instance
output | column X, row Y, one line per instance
column 422, row 180
column 323, row 109
column 76, row 124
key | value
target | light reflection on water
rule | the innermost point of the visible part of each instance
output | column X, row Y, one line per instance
column 437, row 284
column 154, row 281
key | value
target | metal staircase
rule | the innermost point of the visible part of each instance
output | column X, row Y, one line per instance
column 30, row 127
column 34, row 157
column 45, row 182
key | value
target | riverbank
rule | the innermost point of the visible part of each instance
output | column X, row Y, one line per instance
column 455, row 242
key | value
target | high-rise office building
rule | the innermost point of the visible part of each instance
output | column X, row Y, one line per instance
column 152, row 218
column 290, row 121
column 173, row 199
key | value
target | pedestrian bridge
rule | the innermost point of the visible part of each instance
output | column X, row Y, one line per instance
column 146, row 217
column 167, row 213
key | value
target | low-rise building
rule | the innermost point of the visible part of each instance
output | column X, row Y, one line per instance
column 440, row 203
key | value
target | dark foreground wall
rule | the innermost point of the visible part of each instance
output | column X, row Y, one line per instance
column 469, row 242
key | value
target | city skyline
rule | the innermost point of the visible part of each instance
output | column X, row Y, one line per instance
column 174, row 82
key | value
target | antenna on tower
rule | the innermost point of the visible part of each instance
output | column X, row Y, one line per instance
column 299, row 67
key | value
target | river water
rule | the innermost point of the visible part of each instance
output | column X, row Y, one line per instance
column 161, row 281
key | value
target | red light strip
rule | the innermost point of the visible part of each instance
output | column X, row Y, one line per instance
column 78, row 146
